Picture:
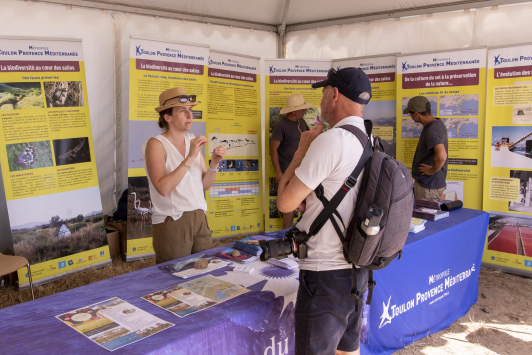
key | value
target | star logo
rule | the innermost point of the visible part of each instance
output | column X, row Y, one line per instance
column 386, row 318
column 498, row 60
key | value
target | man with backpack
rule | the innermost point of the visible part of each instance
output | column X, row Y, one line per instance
column 328, row 320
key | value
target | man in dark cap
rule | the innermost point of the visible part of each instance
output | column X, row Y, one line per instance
column 429, row 168
column 326, row 319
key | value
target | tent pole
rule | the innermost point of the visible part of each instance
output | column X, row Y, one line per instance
column 281, row 30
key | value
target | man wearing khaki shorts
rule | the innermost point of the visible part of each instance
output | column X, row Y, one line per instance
column 177, row 176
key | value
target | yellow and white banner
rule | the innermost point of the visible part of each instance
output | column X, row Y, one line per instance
column 454, row 82
column 155, row 66
column 234, row 121
column 381, row 109
column 286, row 77
column 508, row 153
column 47, row 157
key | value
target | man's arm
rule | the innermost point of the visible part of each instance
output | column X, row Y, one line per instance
column 292, row 192
column 440, row 156
column 274, row 145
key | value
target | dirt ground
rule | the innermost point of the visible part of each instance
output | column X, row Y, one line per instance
column 499, row 323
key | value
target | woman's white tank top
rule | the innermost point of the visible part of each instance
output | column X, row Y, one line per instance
column 188, row 195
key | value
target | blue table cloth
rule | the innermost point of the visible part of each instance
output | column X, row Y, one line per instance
column 407, row 303
column 434, row 284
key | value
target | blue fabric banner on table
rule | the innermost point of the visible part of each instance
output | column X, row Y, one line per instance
column 434, row 284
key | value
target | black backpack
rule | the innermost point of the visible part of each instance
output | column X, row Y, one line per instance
column 386, row 184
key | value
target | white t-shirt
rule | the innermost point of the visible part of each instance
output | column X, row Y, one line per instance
column 330, row 159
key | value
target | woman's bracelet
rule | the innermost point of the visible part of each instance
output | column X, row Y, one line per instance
column 214, row 170
column 187, row 166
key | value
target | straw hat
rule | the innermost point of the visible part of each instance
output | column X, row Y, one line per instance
column 295, row 102
column 170, row 98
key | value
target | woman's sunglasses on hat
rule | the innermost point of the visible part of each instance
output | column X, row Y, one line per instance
column 182, row 99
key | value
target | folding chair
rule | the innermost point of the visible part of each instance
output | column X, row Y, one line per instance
column 10, row 263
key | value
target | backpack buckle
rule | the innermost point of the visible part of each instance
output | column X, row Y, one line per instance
column 350, row 182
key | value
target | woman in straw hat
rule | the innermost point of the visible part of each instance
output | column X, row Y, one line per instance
column 177, row 177
column 285, row 140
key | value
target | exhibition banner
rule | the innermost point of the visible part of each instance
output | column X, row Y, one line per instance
column 454, row 83
column 381, row 109
column 287, row 77
column 234, row 121
column 508, row 153
column 155, row 66
column 47, row 157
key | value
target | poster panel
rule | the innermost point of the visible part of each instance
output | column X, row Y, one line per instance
column 47, row 157
column 454, row 82
column 234, row 201
column 381, row 109
column 508, row 154
column 287, row 77
column 155, row 66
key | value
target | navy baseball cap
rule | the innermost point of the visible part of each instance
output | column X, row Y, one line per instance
column 353, row 83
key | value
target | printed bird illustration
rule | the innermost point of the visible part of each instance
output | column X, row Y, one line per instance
column 72, row 153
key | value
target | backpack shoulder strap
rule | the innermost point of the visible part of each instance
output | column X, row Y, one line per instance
column 349, row 183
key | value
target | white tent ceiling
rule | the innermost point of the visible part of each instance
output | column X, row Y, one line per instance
column 268, row 14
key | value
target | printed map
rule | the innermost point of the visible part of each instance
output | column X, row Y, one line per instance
column 457, row 127
column 193, row 296
column 459, row 105
column 433, row 105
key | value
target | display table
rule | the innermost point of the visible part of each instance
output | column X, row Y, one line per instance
column 262, row 320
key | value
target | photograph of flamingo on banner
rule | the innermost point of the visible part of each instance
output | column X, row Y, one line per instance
column 139, row 208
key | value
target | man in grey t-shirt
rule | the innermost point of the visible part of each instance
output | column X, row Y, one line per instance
column 429, row 168
column 285, row 140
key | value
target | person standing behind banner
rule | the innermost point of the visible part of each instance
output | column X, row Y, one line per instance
column 285, row 140
column 177, row 177
column 429, row 168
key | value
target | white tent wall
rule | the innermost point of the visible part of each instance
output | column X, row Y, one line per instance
column 95, row 29
column 235, row 40
column 486, row 26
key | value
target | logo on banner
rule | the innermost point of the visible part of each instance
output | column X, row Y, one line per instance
column 102, row 253
column 138, row 51
column 498, row 60
column 386, row 318
column 61, row 264
column 528, row 263
column 492, row 258
column 430, row 296
column 70, row 263
column 272, row 69
column 210, row 61
column 404, row 65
